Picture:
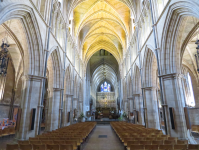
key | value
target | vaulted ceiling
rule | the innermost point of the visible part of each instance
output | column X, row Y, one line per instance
column 103, row 73
column 102, row 24
column 103, row 67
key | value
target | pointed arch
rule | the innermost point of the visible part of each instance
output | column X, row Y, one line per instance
column 149, row 68
column 33, row 53
column 171, row 42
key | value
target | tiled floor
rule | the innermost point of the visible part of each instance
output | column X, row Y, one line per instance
column 110, row 143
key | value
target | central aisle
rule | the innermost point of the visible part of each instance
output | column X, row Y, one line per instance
column 112, row 142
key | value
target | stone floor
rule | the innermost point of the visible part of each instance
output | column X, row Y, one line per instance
column 6, row 140
column 110, row 143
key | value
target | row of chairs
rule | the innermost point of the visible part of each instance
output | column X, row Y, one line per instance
column 162, row 147
column 137, row 137
column 66, row 138
column 40, row 147
column 7, row 132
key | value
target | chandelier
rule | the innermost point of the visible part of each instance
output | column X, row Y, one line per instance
column 4, row 59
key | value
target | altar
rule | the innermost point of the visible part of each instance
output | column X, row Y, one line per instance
column 106, row 100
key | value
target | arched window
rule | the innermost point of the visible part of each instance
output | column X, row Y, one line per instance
column 109, row 88
column 190, row 100
column 105, row 87
column 102, row 88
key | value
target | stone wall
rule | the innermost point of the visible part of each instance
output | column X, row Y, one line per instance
column 4, row 111
column 194, row 116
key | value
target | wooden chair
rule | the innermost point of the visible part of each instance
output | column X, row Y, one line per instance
column 182, row 142
column 43, row 138
column 59, row 142
column 35, row 142
column 23, row 142
column 193, row 147
column 150, row 147
column 47, row 142
column 1, row 134
column 33, row 139
column 39, row 147
column 12, row 131
column 12, row 147
column 165, row 147
column 72, row 142
column 150, row 139
column 136, row 147
column 128, row 139
column 55, row 139
column 153, row 136
column 145, row 142
column 161, row 138
column 129, row 143
column 172, row 138
column 157, row 142
column 65, row 147
column 76, row 139
column 52, row 147
column 180, row 147
column 167, row 142
column 140, row 139
column 25, row 146
column 5, row 132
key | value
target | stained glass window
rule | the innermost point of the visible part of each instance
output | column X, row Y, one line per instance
column 102, row 88
column 105, row 87
column 109, row 88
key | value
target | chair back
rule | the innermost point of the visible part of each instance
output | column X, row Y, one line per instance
column 52, row 147
column 157, row 142
column 137, row 147
column 65, row 147
column 12, row 147
column 168, row 147
column 193, row 146
column 180, row 147
column 151, row 147
column 39, row 147
column 24, row 142
column 35, row 142
column 47, row 142
column 59, row 142
column 25, row 146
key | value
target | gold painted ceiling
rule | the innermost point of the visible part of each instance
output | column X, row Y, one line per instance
column 102, row 24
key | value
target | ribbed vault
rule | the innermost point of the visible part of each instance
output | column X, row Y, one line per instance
column 104, row 72
column 102, row 24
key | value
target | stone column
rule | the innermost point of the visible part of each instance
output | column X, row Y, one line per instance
column 2, row 86
column 174, row 98
column 31, row 98
column 132, row 109
column 70, row 100
column 66, row 109
column 130, row 104
column 125, row 106
column 53, row 110
column 152, row 116
column 139, row 107
column 75, row 106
